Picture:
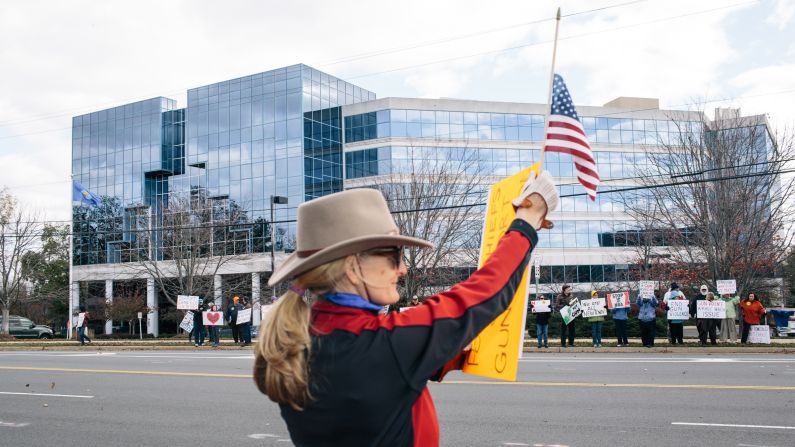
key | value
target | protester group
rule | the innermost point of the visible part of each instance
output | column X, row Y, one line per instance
column 716, row 316
column 207, row 321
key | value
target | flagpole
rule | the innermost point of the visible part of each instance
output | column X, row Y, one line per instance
column 549, row 96
column 71, row 255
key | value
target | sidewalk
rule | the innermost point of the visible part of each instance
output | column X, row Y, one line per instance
column 777, row 345
column 117, row 345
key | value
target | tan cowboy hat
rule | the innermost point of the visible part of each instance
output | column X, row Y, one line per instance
column 340, row 225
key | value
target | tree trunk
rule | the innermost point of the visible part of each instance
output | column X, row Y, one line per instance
column 5, row 321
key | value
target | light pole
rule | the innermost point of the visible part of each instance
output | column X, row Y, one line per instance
column 275, row 200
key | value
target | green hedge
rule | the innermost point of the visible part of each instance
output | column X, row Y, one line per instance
column 583, row 327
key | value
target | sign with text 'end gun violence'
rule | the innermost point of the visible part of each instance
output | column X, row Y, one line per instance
column 495, row 352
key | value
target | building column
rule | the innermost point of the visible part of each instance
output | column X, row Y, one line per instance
column 74, row 305
column 217, row 288
column 255, row 296
column 109, row 300
column 151, row 303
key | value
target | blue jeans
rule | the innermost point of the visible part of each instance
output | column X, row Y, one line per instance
column 245, row 333
column 198, row 334
column 596, row 332
column 621, row 331
column 215, row 331
column 542, row 331
column 81, row 332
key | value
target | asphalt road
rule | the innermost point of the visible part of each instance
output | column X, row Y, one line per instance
column 206, row 398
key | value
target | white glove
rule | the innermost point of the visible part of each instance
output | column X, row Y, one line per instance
column 542, row 185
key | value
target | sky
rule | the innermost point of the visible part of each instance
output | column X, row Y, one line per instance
column 61, row 59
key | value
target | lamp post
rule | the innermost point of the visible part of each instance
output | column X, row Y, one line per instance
column 275, row 200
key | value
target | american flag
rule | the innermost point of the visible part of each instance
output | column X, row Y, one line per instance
column 566, row 135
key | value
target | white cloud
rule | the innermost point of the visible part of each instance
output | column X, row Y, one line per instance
column 769, row 89
column 66, row 58
column 783, row 12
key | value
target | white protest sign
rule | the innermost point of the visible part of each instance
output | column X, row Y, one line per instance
column 710, row 309
column 567, row 314
column 678, row 310
column 595, row 307
column 617, row 300
column 646, row 289
column 540, row 306
column 759, row 334
column 243, row 316
column 211, row 318
column 571, row 311
column 266, row 309
column 187, row 302
column 187, row 322
column 81, row 317
column 728, row 286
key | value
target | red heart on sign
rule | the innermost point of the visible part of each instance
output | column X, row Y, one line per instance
column 212, row 317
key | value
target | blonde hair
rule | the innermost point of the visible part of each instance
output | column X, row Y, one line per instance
column 281, row 367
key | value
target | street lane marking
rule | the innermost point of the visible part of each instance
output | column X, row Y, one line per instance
column 704, row 424
column 77, row 396
column 653, row 360
column 14, row 424
column 135, row 356
column 122, row 371
column 449, row 382
column 624, row 385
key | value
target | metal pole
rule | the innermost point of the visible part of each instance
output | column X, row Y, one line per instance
column 273, row 242
column 549, row 96
column 71, row 255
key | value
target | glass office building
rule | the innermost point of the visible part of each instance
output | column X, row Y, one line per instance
column 238, row 142
column 300, row 133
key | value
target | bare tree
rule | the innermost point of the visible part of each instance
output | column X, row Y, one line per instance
column 126, row 308
column 190, row 242
column 431, row 199
column 18, row 236
column 723, row 211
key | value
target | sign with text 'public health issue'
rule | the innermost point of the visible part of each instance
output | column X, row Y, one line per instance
column 495, row 352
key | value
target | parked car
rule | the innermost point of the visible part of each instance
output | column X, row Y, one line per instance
column 21, row 327
column 784, row 322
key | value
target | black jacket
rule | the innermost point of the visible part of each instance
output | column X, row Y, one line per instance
column 369, row 372
column 231, row 313
column 694, row 305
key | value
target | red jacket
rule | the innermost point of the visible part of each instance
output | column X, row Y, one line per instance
column 752, row 311
column 368, row 372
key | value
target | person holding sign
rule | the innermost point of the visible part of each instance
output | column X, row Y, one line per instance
column 647, row 315
column 345, row 375
column 596, row 325
column 82, row 326
column 214, row 331
column 542, row 325
column 707, row 326
column 562, row 301
column 230, row 315
column 675, row 326
column 620, row 316
column 728, row 328
column 198, row 325
column 753, row 311
column 245, row 327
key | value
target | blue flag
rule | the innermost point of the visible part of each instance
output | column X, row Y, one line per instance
column 84, row 196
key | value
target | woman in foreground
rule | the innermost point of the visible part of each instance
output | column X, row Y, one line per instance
column 345, row 375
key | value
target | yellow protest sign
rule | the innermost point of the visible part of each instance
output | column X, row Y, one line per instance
column 495, row 352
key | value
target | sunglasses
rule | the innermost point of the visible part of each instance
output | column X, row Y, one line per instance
column 394, row 254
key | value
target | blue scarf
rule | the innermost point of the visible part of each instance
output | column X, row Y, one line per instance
column 351, row 300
